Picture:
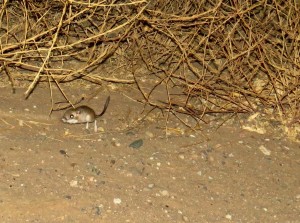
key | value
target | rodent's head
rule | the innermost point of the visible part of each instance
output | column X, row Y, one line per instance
column 70, row 116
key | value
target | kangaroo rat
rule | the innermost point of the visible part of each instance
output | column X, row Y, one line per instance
column 83, row 114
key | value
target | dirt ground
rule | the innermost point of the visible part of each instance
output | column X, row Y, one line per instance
column 131, row 171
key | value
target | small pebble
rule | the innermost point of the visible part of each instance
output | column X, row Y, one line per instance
column 100, row 129
column 74, row 183
column 150, row 185
column 117, row 201
column 136, row 144
column 264, row 150
column 21, row 123
column 265, row 209
column 228, row 216
column 69, row 197
column 164, row 193
column 149, row 134
column 185, row 218
column 181, row 156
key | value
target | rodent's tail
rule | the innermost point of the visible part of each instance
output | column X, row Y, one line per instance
column 105, row 106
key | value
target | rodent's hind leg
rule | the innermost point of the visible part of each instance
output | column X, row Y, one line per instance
column 95, row 126
column 87, row 125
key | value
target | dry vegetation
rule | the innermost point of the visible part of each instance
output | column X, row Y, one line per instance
column 209, row 56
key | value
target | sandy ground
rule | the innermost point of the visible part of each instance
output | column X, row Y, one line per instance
column 54, row 172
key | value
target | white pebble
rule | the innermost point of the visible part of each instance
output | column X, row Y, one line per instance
column 74, row 183
column 264, row 150
column 164, row 193
column 230, row 155
column 21, row 123
column 117, row 201
column 150, row 185
column 185, row 218
column 228, row 216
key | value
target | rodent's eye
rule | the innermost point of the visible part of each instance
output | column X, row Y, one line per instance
column 71, row 116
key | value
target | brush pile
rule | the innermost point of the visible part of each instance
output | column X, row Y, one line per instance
column 203, row 57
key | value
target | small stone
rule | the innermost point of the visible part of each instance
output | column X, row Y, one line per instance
column 21, row 123
column 117, row 201
column 185, row 218
column 149, row 134
column 228, row 216
column 181, row 156
column 69, row 197
column 199, row 173
column 136, row 144
column 264, row 150
column 150, row 186
column 74, row 183
column 164, row 193
column 100, row 129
